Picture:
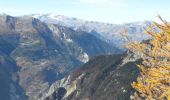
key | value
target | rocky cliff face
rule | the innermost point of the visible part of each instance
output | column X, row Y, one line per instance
column 102, row 78
column 36, row 54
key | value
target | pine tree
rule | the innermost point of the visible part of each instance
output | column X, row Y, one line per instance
column 153, row 83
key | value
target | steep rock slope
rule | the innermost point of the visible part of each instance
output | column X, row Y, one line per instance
column 102, row 78
column 43, row 53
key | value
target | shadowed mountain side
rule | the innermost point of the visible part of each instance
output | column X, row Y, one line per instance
column 102, row 78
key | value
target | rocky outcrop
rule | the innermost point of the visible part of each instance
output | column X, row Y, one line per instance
column 102, row 78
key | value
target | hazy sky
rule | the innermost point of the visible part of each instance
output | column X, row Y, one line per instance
column 112, row 11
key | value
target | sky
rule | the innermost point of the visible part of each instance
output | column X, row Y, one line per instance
column 109, row 11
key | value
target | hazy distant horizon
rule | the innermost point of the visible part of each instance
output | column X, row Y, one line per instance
column 77, row 18
column 108, row 11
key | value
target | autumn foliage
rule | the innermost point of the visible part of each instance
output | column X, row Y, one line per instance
column 153, row 83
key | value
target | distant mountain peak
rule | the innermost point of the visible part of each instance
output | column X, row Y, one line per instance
column 51, row 16
column 105, row 31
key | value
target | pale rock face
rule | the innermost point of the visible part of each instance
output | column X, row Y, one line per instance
column 69, row 40
column 130, row 58
column 84, row 57
column 65, row 82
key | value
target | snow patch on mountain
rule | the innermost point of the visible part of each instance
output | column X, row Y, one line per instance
column 111, row 33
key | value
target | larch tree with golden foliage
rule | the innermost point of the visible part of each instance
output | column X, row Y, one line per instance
column 153, row 83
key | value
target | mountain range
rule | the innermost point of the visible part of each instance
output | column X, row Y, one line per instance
column 108, row 32
column 38, row 52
